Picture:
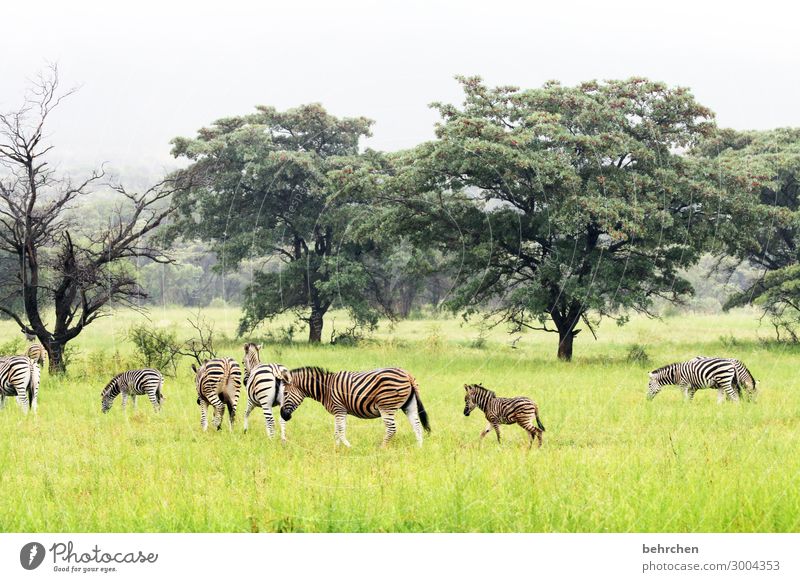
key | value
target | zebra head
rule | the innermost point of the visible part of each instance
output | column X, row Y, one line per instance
column 108, row 395
column 252, row 356
column 292, row 398
column 663, row 376
column 472, row 394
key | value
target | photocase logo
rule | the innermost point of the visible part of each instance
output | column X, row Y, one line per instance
column 31, row 555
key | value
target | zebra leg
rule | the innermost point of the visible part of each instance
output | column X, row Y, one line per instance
column 269, row 420
column 2, row 401
column 283, row 429
column 247, row 412
column 124, row 400
column 133, row 399
column 730, row 390
column 496, row 428
column 413, row 418
column 203, row 414
column 151, row 394
column 487, row 430
column 340, row 422
column 391, row 428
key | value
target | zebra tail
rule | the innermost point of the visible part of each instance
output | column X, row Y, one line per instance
column 29, row 387
column 423, row 416
column 538, row 420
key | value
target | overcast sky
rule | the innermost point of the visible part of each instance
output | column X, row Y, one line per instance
column 150, row 71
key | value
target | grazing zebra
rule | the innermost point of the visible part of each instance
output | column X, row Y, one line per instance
column 218, row 383
column 134, row 383
column 19, row 377
column 698, row 373
column 265, row 389
column 37, row 353
column 742, row 379
column 252, row 357
column 520, row 410
column 372, row 394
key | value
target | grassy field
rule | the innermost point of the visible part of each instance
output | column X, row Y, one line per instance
column 611, row 462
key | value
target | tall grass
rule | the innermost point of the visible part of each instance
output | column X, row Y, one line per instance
column 611, row 461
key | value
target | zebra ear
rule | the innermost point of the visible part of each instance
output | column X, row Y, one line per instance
column 194, row 368
column 466, row 387
column 258, row 347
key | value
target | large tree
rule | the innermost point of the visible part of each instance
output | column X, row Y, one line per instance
column 269, row 185
column 762, row 170
column 561, row 204
column 64, row 275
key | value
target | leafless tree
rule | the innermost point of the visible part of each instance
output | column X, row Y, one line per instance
column 64, row 276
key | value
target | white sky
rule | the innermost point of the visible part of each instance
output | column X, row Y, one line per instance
column 150, row 71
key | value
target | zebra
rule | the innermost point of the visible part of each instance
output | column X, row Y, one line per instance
column 742, row 378
column 19, row 377
column 695, row 374
column 519, row 410
column 265, row 389
column 218, row 382
column 37, row 353
column 252, row 357
column 370, row 394
column 134, row 383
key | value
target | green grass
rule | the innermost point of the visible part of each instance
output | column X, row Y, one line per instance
column 611, row 462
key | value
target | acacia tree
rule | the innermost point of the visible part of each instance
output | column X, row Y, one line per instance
column 269, row 186
column 63, row 276
column 563, row 204
column 762, row 169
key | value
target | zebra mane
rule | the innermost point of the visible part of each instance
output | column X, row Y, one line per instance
column 481, row 388
column 311, row 370
column 664, row 368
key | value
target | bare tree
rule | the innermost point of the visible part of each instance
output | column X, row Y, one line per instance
column 62, row 272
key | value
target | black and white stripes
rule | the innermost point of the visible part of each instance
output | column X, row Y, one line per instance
column 133, row 383
column 19, row 377
column 518, row 410
column 700, row 372
column 218, row 383
column 371, row 394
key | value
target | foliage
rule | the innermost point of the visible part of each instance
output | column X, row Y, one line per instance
column 263, row 185
column 155, row 348
column 560, row 201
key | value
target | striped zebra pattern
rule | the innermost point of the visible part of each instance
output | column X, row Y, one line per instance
column 218, row 382
column 519, row 410
column 19, row 377
column 252, row 358
column 134, row 383
column 37, row 353
column 695, row 374
column 265, row 389
column 744, row 381
column 372, row 394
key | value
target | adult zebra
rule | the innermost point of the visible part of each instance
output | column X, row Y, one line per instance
column 743, row 380
column 370, row 394
column 697, row 373
column 37, row 353
column 134, row 383
column 19, row 377
column 218, row 382
column 265, row 387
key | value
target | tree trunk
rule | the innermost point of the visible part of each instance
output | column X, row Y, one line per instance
column 55, row 352
column 315, row 323
column 565, row 340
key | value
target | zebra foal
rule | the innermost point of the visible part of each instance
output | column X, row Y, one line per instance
column 519, row 410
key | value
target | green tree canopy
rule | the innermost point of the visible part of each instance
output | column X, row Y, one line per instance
column 762, row 168
column 563, row 204
column 269, row 184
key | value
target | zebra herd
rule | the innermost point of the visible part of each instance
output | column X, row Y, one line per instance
column 379, row 393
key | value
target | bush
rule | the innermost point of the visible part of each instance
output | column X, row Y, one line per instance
column 155, row 348
column 637, row 353
column 12, row 347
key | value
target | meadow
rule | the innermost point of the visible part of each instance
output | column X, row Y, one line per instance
column 611, row 461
